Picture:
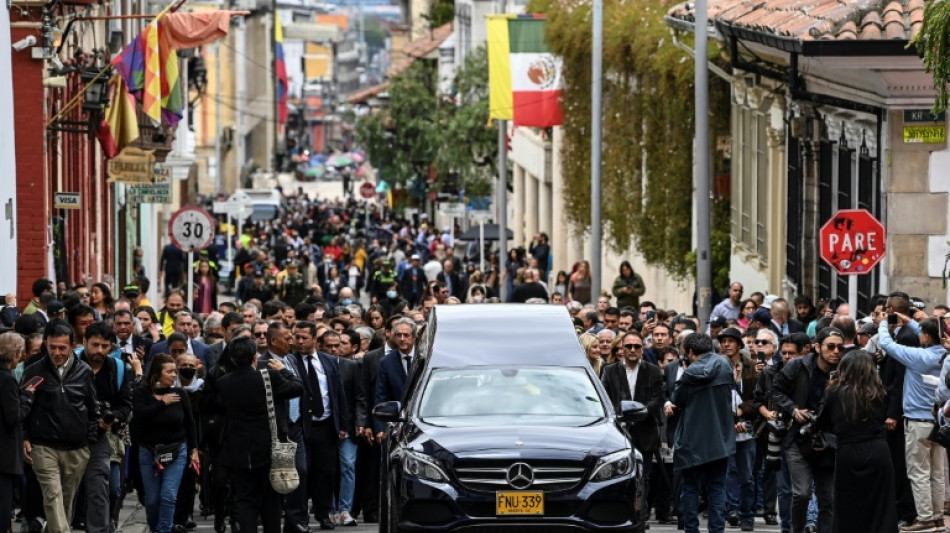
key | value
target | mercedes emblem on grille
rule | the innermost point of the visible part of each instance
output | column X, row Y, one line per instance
column 520, row 476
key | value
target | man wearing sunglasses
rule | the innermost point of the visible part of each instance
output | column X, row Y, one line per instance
column 798, row 392
column 632, row 378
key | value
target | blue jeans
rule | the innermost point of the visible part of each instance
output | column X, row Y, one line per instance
column 713, row 476
column 344, row 500
column 161, row 488
column 740, row 484
column 115, row 486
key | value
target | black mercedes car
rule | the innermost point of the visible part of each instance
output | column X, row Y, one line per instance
column 505, row 428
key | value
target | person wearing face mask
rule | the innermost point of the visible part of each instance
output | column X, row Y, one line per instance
column 393, row 299
column 346, row 296
column 192, row 385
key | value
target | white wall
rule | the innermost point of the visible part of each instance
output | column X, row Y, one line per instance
column 939, row 245
column 8, row 274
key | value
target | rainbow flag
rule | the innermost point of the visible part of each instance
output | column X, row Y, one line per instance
column 149, row 67
column 152, row 92
column 119, row 126
column 524, row 76
column 280, row 70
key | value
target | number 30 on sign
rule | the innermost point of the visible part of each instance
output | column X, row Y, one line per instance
column 191, row 229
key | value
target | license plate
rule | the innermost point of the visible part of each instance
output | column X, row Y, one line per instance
column 521, row 503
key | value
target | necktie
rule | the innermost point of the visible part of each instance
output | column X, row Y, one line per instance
column 316, row 401
column 294, row 402
column 408, row 361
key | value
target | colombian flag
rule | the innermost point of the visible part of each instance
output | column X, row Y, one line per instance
column 280, row 69
column 524, row 76
column 119, row 126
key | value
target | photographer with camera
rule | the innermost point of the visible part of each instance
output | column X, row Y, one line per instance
column 770, row 446
column 114, row 397
column 925, row 459
column 798, row 391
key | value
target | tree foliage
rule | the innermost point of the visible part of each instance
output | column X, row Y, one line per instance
column 934, row 39
column 647, row 125
column 421, row 128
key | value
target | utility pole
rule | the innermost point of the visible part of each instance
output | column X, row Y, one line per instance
column 701, row 156
column 596, row 92
column 502, row 203
column 241, row 83
column 219, row 165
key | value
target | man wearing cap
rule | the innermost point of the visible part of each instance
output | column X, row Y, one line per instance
column 259, row 289
column 245, row 283
column 382, row 280
column 413, row 282
column 760, row 319
column 134, row 294
column 740, row 507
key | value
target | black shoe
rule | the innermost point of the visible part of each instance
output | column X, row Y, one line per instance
column 79, row 525
column 179, row 529
column 235, row 527
column 219, row 525
column 325, row 523
column 747, row 526
column 190, row 523
column 297, row 529
column 665, row 520
column 370, row 518
column 679, row 523
column 733, row 520
column 771, row 519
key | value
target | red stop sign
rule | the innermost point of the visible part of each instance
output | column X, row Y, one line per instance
column 853, row 241
column 367, row 190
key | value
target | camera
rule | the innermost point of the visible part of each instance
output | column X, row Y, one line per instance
column 105, row 411
column 24, row 43
column 810, row 435
column 777, row 426
column 747, row 426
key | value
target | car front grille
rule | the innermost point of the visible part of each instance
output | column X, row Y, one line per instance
column 493, row 476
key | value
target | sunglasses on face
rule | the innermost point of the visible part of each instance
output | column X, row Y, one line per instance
column 762, row 343
column 834, row 347
column 633, row 346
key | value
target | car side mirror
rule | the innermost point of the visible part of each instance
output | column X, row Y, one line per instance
column 387, row 412
column 632, row 412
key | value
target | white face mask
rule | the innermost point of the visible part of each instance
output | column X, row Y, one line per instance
column 477, row 299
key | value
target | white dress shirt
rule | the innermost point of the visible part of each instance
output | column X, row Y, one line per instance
column 632, row 374
column 324, row 386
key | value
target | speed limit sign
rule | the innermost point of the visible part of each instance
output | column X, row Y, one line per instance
column 191, row 229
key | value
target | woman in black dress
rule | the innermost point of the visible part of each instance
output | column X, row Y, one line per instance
column 864, row 476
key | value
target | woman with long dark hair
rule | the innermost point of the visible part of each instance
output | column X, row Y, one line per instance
column 101, row 300
column 854, row 412
column 164, row 428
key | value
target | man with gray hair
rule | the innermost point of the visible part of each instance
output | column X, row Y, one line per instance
column 605, row 339
column 396, row 366
column 251, row 313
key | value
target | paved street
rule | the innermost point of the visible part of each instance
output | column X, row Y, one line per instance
column 132, row 520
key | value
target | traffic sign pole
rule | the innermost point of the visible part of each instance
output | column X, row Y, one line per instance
column 191, row 280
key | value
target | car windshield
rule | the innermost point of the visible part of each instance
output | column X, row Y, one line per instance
column 551, row 396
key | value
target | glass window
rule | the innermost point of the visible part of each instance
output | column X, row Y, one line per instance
column 559, row 396
column 762, row 188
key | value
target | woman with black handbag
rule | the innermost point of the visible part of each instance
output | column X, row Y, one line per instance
column 164, row 427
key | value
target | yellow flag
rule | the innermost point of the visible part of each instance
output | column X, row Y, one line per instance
column 499, row 68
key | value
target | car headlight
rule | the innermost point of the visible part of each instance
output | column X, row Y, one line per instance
column 612, row 466
column 423, row 467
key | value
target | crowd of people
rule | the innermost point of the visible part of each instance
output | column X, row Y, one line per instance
column 756, row 416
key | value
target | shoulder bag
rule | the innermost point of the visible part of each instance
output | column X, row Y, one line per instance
column 283, row 471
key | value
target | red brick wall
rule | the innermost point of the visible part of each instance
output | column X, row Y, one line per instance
column 33, row 196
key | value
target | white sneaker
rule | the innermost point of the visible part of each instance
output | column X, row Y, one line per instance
column 347, row 520
column 335, row 518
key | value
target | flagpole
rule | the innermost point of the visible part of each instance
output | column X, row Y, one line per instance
column 502, row 202
column 595, row 147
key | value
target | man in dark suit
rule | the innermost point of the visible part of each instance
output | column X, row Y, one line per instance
column 124, row 324
column 367, row 455
column 324, row 418
column 199, row 349
column 412, row 284
column 395, row 367
column 246, row 440
column 279, row 340
column 450, row 277
column 781, row 324
column 353, row 392
column 632, row 378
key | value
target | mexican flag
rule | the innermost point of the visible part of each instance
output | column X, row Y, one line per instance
column 524, row 76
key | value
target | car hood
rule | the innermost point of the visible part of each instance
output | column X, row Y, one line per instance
column 508, row 442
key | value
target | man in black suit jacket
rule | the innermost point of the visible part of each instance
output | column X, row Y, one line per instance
column 647, row 389
column 412, row 283
column 781, row 324
column 395, row 367
column 450, row 277
column 289, row 413
column 246, row 440
column 324, row 418
column 199, row 349
column 124, row 325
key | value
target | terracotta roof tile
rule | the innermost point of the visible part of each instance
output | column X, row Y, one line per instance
column 869, row 20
